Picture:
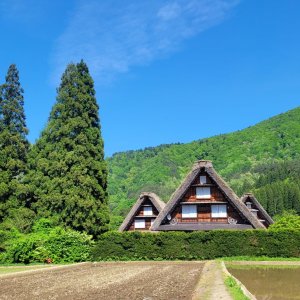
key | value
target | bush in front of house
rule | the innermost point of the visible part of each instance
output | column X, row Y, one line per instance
column 196, row 245
column 288, row 220
column 45, row 243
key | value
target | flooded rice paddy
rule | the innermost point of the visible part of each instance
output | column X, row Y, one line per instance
column 269, row 282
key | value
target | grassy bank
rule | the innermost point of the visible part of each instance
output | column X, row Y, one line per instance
column 258, row 258
column 20, row 268
column 234, row 289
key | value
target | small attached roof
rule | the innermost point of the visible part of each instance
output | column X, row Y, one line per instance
column 156, row 201
column 206, row 166
column 249, row 196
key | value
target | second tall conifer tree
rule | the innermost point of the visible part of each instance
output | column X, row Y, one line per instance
column 68, row 174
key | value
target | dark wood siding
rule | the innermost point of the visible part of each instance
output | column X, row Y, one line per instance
column 140, row 214
column 204, row 205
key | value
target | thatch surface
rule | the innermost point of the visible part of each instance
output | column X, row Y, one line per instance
column 223, row 186
column 155, row 200
column 249, row 196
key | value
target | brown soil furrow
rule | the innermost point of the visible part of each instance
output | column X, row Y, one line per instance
column 128, row 280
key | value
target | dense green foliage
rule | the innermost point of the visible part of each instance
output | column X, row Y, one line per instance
column 46, row 241
column 264, row 159
column 13, row 143
column 286, row 221
column 196, row 245
column 67, row 175
column 278, row 186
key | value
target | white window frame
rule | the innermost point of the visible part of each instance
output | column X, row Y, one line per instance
column 189, row 211
column 203, row 179
column 139, row 224
column 219, row 211
column 205, row 194
column 148, row 211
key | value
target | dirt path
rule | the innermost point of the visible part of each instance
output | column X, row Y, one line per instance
column 211, row 285
column 116, row 280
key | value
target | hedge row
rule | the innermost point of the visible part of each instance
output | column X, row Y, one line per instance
column 196, row 245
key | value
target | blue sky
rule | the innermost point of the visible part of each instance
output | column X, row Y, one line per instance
column 165, row 71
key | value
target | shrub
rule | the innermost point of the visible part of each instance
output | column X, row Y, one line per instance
column 196, row 245
column 288, row 220
column 46, row 242
column 68, row 245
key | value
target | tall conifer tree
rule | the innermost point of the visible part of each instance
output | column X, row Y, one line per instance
column 68, row 176
column 13, row 141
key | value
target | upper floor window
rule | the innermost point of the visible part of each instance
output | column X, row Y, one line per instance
column 203, row 192
column 148, row 211
column 219, row 211
column 249, row 204
column 203, row 179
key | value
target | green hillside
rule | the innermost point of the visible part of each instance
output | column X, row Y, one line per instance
column 264, row 159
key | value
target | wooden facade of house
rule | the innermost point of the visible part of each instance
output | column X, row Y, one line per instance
column 143, row 213
column 204, row 201
column 208, row 201
column 256, row 209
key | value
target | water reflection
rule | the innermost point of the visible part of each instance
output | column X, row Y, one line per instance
column 270, row 283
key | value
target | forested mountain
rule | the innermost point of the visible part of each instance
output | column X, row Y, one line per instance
column 264, row 159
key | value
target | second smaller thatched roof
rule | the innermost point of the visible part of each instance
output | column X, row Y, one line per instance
column 250, row 197
column 156, row 201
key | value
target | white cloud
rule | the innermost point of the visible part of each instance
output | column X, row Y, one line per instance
column 169, row 11
column 114, row 35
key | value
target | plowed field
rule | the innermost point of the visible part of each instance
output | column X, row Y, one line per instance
column 115, row 280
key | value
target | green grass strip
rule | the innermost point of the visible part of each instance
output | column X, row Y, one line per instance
column 234, row 289
column 7, row 270
column 258, row 258
column 263, row 267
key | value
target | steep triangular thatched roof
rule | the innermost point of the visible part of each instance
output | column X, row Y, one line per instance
column 249, row 196
column 156, row 201
column 204, row 165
